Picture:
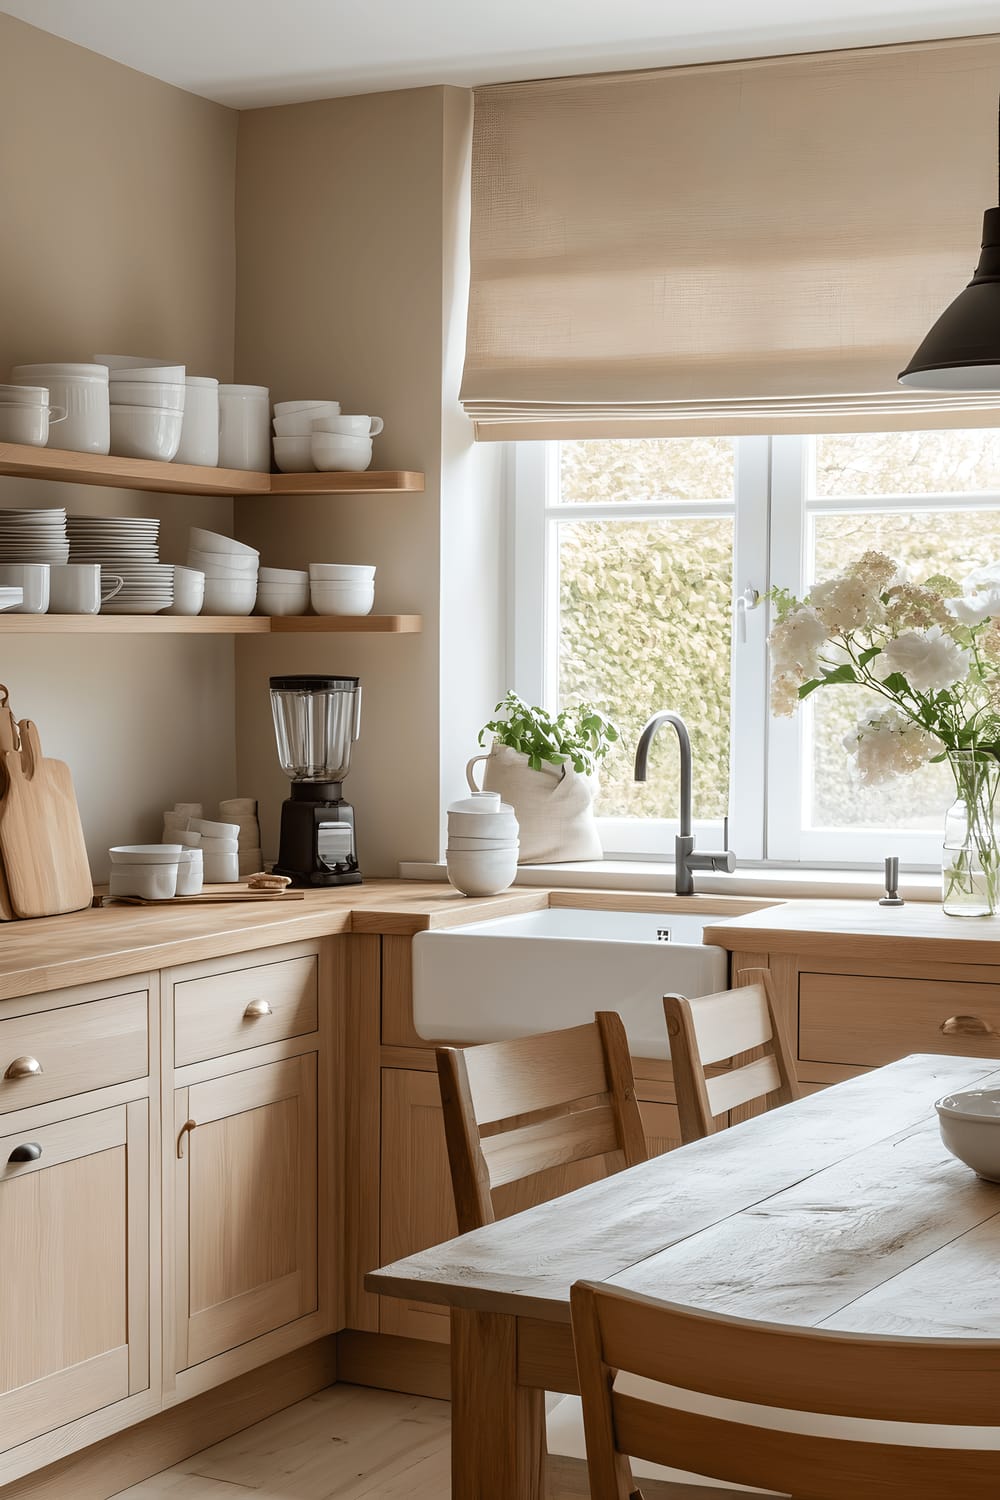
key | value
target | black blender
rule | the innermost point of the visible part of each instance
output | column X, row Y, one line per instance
column 316, row 721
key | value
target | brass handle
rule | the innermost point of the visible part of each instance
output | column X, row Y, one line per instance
column 186, row 1128
column 255, row 1009
column 966, row 1026
column 30, row 1151
column 24, row 1067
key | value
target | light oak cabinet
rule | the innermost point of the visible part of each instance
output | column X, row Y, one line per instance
column 74, row 1252
column 246, row 1205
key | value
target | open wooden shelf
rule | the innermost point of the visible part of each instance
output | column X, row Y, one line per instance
column 11, row 624
column 189, row 479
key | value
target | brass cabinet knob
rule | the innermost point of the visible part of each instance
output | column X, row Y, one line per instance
column 255, row 1009
column 966, row 1026
column 24, row 1067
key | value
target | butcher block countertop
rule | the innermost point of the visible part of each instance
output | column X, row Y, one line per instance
column 862, row 929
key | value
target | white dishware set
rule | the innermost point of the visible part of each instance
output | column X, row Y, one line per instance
column 147, row 406
column 482, row 844
column 127, row 549
column 31, row 542
column 229, row 846
column 156, row 872
column 315, row 435
column 230, row 570
column 341, row 588
column 26, row 415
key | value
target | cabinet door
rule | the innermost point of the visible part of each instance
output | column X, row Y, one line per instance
column 245, row 1206
column 74, row 1253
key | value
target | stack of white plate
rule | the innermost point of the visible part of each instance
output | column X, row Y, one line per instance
column 33, row 536
column 127, row 545
column 483, row 844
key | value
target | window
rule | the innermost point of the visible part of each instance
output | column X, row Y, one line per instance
column 637, row 565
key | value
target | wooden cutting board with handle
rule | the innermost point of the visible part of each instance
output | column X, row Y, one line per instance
column 41, row 837
column 8, row 741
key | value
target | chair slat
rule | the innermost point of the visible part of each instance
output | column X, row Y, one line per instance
column 535, row 1072
column 552, row 1143
column 727, row 1090
column 731, row 1022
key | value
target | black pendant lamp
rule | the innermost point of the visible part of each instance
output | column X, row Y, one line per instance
column 962, row 350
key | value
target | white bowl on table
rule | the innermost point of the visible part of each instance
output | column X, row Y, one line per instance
column 341, row 454
column 148, row 870
column 145, row 431
column 214, row 541
column 482, row 872
column 970, row 1129
column 293, row 455
column 341, row 599
column 230, row 596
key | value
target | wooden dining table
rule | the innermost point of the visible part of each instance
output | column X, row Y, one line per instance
column 843, row 1210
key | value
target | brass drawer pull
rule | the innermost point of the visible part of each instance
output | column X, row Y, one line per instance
column 30, row 1151
column 256, row 1009
column 24, row 1067
column 186, row 1129
column 966, row 1026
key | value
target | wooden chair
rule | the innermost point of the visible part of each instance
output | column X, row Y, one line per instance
column 652, row 1375
column 710, row 1028
column 512, row 1109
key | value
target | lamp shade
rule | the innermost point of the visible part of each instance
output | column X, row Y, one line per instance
column 962, row 350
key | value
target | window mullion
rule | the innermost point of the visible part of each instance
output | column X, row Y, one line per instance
column 790, row 458
column 748, row 691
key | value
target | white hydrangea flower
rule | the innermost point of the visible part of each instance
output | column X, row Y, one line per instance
column 846, row 604
column 980, row 597
column 796, row 642
column 885, row 744
column 930, row 660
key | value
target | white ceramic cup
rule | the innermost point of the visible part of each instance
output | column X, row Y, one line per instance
column 28, row 423
column 82, row 391
column 33, row 578
column 189, row 592
column 245, row 427
column 190, row 872
column 200, row 430
column 361, row 427
column 79, row 589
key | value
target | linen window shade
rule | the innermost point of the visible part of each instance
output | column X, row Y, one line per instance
column 734, row 248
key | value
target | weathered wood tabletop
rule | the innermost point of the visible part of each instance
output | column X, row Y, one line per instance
column 843, row 1210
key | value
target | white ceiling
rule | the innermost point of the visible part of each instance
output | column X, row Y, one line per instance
column 258, row 52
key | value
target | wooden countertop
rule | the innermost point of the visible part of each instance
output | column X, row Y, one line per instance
column 862, row 929
column 106, row 943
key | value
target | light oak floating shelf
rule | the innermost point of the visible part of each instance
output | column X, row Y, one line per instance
column 189, row 479
column 11, row 624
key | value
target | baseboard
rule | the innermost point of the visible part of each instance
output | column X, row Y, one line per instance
column 138, row 1452
column 390, row 1363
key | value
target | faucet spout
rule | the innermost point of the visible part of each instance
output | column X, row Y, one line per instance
column 684, row 744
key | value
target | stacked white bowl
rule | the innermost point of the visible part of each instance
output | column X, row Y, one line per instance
column 230, row 570
column 283, row 591
column 219, row 845
column 242, row 811
column 482, row 844
column 293, row 429
column 148, row 870
column 147, row 406
column 342, row 588
column 343, row 443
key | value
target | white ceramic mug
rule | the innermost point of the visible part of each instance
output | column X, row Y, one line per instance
column 189, row 592
column 361, row 427
column 28, row 424
column 33, row 578
column 245, row 427
column 82, row 390
column 79, row 589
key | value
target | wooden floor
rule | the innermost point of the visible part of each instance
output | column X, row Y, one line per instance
column 346, row 1443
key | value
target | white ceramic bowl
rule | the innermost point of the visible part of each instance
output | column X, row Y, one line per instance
column 148, row 393
column 488, row 825
column 190, row 872
column 209, row 828
column 283, row 575
column 188, row 838
column 459, row 842
column 480, row 802
column 352, row 455
column 352, row 573
column 300, row 423
column 149, row 854
column 318, row 408
column 25, row 395
column 220, row 846
column 189, row 592
column 214, row 541
column 333, row 599
column 154, row 882
column 484, row 872
column 293, row 455
column 222, row 869
column 230, row 596
column 148, row 374
column 358, row 427
column 970, row 1128
column 145, row 432
column 283, row 598
column 219, row 565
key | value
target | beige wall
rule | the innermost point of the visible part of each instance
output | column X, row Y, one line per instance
column 350, row 286
column 117, row 204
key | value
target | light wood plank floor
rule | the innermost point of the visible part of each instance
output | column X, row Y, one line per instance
column 345, row 1443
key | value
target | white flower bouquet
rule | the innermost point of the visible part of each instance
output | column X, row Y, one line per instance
column 930, row 652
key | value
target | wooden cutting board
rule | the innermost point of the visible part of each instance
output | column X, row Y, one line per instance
column 203, row 897
column 41, row 837
column 8, row 741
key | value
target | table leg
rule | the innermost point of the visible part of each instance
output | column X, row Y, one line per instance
column 497, row 1426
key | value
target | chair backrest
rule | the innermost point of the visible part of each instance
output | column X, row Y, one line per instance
column 512, row 1109
column 624, row 1342
column 709, row 1028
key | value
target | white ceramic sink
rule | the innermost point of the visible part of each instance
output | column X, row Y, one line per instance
column 543, row 970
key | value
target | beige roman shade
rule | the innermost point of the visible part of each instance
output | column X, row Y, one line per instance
column 745, row 247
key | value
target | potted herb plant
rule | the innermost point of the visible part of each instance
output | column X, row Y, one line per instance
column 545, row 766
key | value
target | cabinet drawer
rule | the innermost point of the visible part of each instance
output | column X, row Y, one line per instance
column 55, row 1053
column 865, row 1021
column 246, row 1007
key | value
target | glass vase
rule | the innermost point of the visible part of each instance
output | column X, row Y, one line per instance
column 970, row 866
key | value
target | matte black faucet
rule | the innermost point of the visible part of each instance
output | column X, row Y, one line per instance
column 686, row 861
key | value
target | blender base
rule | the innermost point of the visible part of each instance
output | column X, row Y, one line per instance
column 319, row 880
